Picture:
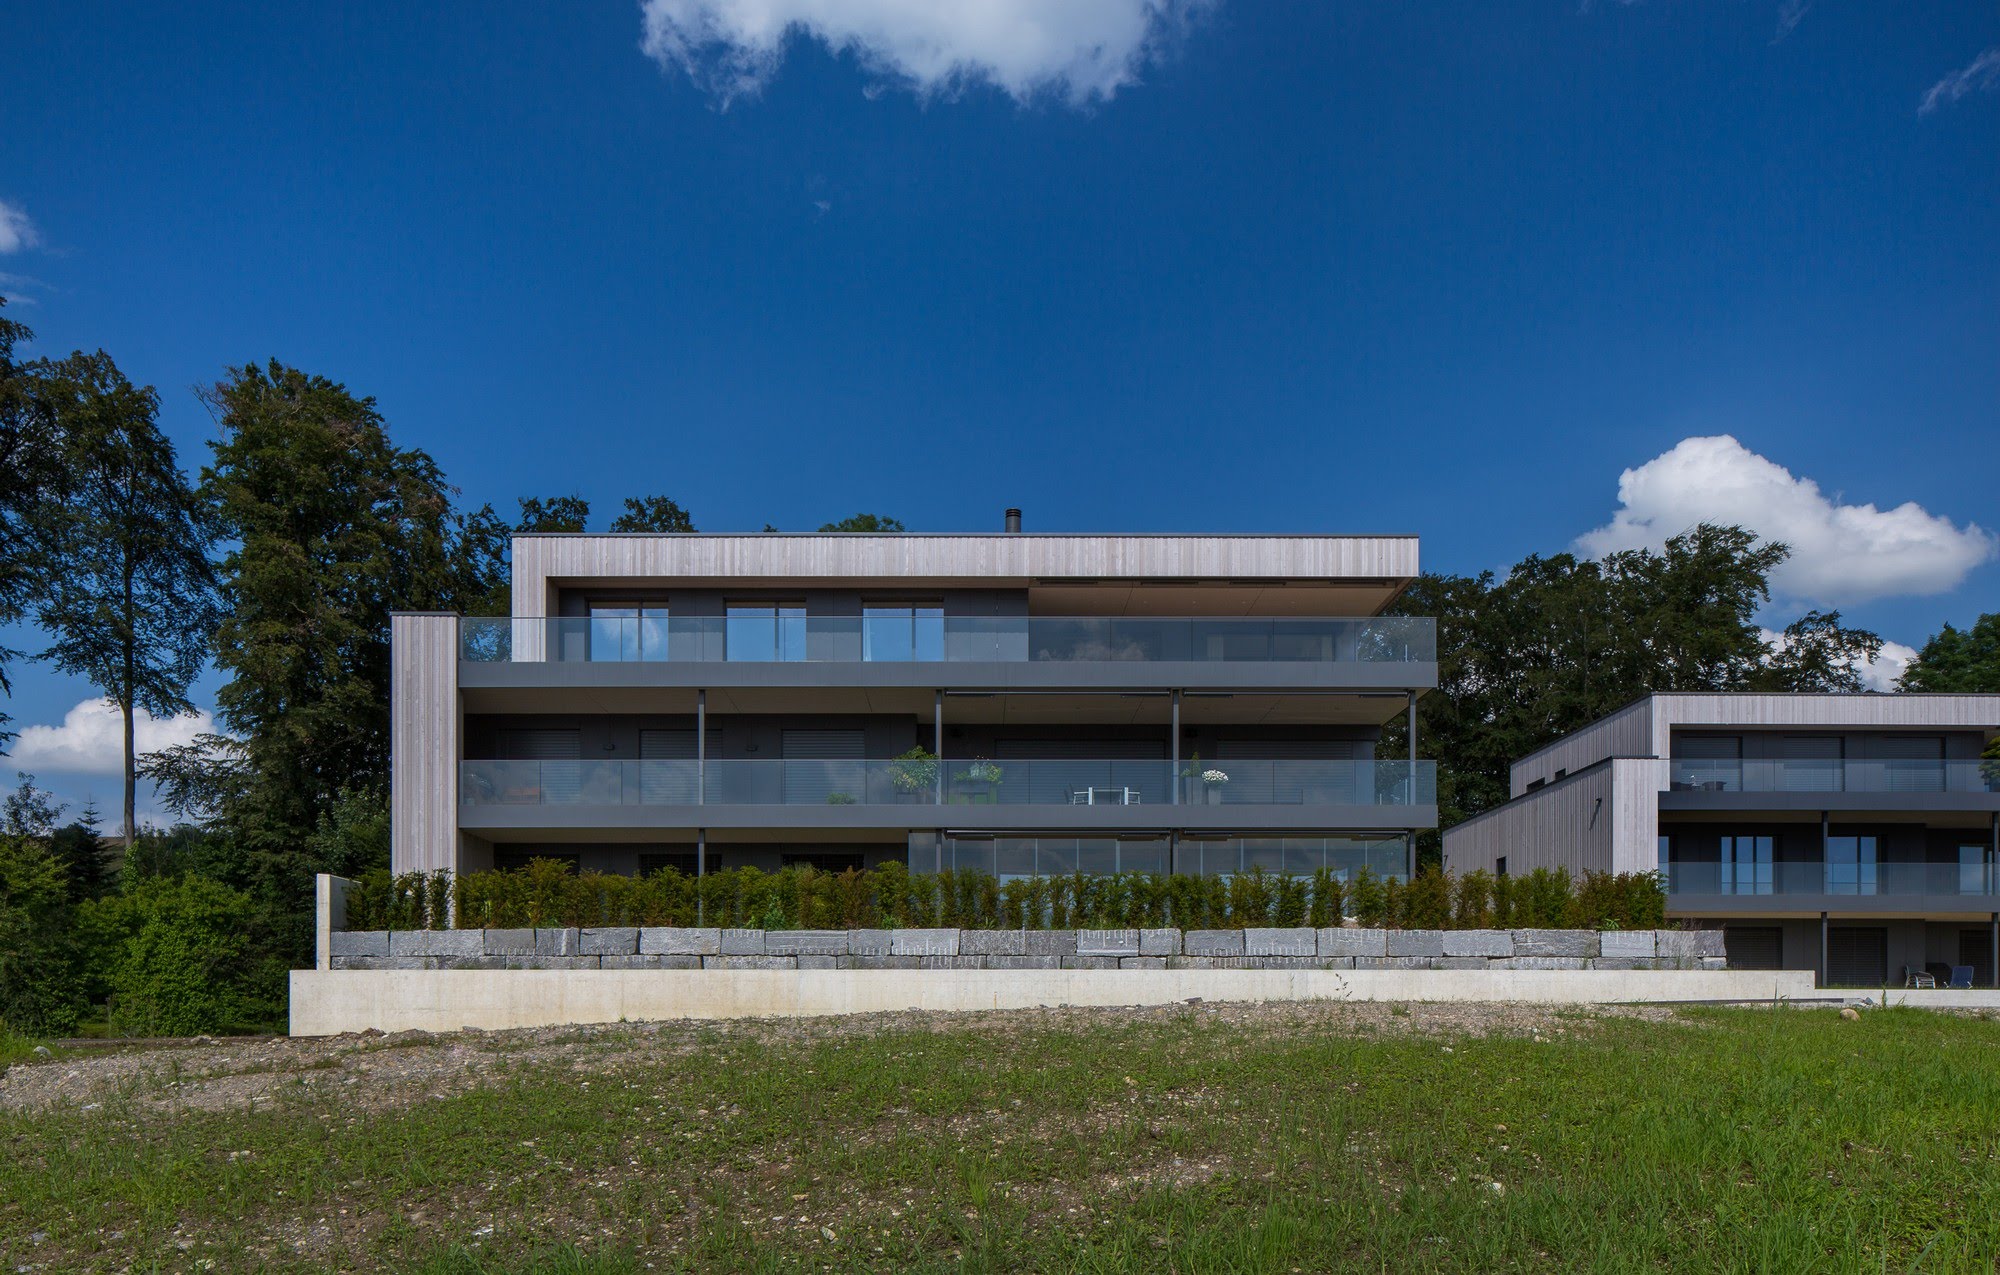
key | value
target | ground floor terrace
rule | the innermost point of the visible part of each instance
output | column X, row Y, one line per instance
column 1003, row 854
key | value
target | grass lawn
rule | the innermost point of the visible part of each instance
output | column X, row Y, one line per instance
column 1207, row 1138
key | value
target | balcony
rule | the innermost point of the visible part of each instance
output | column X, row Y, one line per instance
column 1083, row 786
column 784, row 639
column 1834, row 881
column 1833, row 775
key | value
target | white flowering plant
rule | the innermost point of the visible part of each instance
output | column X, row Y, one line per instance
column 1214, row 777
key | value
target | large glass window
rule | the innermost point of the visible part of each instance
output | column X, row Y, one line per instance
column 1850, row 865
column 1708, row 763
column 1746, row 865
column 902, row 633
column 765, row 632
column 1976, row 870
column 625, row 631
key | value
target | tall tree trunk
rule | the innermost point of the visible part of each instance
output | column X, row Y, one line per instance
column 131, row 778
column 130, row 692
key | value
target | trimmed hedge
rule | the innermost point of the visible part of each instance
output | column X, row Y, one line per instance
column 547, row 893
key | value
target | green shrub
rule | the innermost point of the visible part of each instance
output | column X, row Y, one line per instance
column 547, row 892
column 176, row 953
column 40, row 987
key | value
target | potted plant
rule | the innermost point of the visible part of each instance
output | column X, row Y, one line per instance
column 915, row 772
column 983, row 776
column 1211, row 783
column 1202, row 784
column 840, row 799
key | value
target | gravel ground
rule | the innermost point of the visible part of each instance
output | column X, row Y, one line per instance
column 373, row 1072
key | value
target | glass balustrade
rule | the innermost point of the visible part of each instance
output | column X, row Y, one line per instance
column 1827, row 775
column 780, row 635
column 1812, row 877
column 973, row 782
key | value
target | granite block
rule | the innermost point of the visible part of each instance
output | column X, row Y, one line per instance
column 1544, row 963
column 992, row 943
column 1142, row 962
column 1415, row 943
column 1478, row 943
column 558, row 942
column 666, row 940
column 1555, row 942
column 617, row 940
column 1023, row 962
column 749, row 962
column 882, row 962
column 868, row 942
column 358, row 943
column 1353, row 941
column 509, row 942
column 1159, row 942
column 1294, row 941
column 1212, row 942
column 1107, row 943
column 806, row 943
column 1089, row 962
column 741, row 943
column 923, row 942
column 437, row 943
column 652, row 961
column 1628, row 945
column 1051, row 942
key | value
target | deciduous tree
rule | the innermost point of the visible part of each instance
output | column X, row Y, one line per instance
column 652, row 513
column 127, row 593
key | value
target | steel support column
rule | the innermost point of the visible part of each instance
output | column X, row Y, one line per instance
column 1176, row 753
column 1824, row 967
column 700, row 871
column 701, row 748
column 937, row 744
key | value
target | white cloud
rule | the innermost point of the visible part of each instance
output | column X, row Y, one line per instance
column 1841, row 554
column 91, row 739
column 1077, row 50
column 16, row 231
column 1878, row 674
column 1983, row 72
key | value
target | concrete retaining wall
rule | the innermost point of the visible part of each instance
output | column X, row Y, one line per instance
column 1338, row 949
column 329, row 1002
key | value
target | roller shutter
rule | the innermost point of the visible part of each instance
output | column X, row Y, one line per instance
column 821, row 763
column 1754, row 947
column 1857, row 956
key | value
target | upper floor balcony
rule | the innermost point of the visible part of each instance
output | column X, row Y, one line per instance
column 918, row 793
column 784, row 635
column 1822, row 776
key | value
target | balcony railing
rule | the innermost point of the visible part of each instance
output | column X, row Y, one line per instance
column 1980, row 880
column 949, row 639
column 1013, row 782
column 1879, row 775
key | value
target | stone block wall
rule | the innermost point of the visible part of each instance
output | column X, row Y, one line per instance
column 1343, row 948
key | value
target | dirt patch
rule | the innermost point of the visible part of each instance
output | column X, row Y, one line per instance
column 369, row 1073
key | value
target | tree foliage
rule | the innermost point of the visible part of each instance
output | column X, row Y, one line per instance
column 864, row 522
column 557, row 513
column 1817, row 653
column 1563, row 641
column 652, row 513
column 128, row 595
column 1959, row 660
column 334, row 528
column 29, row 470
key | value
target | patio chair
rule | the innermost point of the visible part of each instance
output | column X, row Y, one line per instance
column 1961, row 978
column 1914, row 977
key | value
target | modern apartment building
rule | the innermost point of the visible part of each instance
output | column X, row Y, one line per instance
column 1010, row 702
column 1856, row 835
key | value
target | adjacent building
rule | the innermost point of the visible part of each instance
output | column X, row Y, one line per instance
column 1010, row 702
column 1855, row 835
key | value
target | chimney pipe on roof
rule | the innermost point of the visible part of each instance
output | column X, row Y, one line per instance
column 1013, row 520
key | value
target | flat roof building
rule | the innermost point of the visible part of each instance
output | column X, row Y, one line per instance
column 1858, row 835
column 1011, row 702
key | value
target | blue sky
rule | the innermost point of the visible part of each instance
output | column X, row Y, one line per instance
column 1327, row 267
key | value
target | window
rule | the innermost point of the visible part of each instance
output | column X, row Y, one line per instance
column 1811, row 763
column 902, row 633
column 765, row 633
column 1500, row 866
column 1746, row 865
column 1850, row 865
column 627, row 631
column 1976, row 870
column 1666, row 862
column 1708, row 763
